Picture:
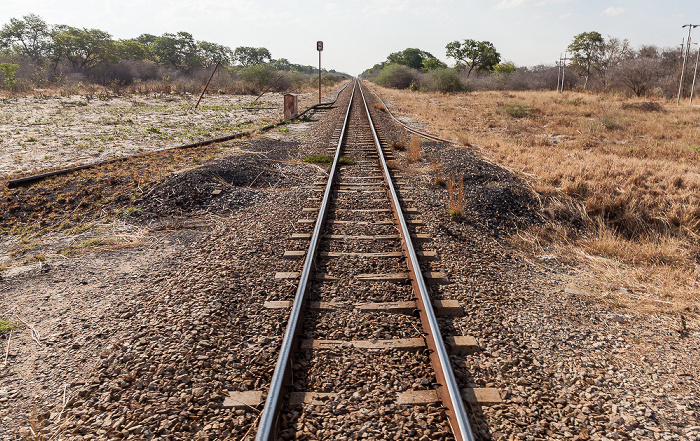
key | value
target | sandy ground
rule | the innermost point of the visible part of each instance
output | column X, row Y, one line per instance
column 39, row 132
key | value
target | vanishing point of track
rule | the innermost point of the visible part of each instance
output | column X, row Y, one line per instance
column 360, row 223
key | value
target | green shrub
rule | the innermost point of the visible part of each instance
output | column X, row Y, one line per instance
column 259, row 76
column 9, row 70
column 446, row 80
column 397, row 76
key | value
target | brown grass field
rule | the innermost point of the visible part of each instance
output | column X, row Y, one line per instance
column 626, row 170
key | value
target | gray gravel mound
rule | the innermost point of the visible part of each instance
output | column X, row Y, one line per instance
column 230, row 183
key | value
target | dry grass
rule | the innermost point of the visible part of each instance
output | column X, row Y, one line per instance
column 619, row 177
column 415, row 149
column 380, row 107
column 455, row 193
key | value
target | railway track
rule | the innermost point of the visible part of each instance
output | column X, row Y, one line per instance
column 362, row 350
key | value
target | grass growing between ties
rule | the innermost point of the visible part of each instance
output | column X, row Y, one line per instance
column 327, row 159
column 617, row 177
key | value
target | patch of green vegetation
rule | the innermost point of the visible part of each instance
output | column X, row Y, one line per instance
column 319, row 159
column 344, row 160
column 515, row 110
column 327, row 159
column 6, row 325
column 132, row 211
column 284, row 129
column 80, row 228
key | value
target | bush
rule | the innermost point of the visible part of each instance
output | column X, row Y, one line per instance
column 258, row 76
column 397, row 76
column 446, row 80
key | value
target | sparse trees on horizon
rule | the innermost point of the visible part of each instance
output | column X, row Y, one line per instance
column 40, row 54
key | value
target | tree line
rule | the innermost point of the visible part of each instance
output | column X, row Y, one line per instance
column 47, row 53
column 594, row 63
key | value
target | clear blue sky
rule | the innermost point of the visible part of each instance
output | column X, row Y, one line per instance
column 359, row 33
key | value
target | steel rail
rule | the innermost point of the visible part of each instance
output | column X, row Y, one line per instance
column 270, row 413
column 452, row 397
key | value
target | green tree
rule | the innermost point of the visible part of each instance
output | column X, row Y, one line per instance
column 132, row 49
column 84, row 48
column 586, row 50
column 212, row 53
column 178, row 51
column 29, row 36
column 479, row 55
column 249, row 56
column 504, row 68
column 411, row 57
column 433, row 63
column 147, row 39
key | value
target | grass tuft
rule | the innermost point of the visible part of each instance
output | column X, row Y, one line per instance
column 415, row 149
column 6, row 325
column 455, row 192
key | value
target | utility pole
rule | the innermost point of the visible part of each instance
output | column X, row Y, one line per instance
column 558, row 72
column 563, row 72
column 692, row 89
column 685, row 57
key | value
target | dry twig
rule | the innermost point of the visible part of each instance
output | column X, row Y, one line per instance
column 35, row 333
column 7, row 349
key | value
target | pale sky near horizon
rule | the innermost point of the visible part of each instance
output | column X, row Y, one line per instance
column 360, row 33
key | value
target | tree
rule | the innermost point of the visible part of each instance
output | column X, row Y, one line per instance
column 586, row 50
column 612, row 53
column 212, row 53
column 133, row 49
column 249, row 56
column 504, row 68
column 433, row 63
column 479, row 55
column 178, row 51
column 639, row 74
column 84, row 48
column 30, row 37
column 415, row 59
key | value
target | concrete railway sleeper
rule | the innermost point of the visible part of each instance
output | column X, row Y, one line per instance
column 363, row 334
